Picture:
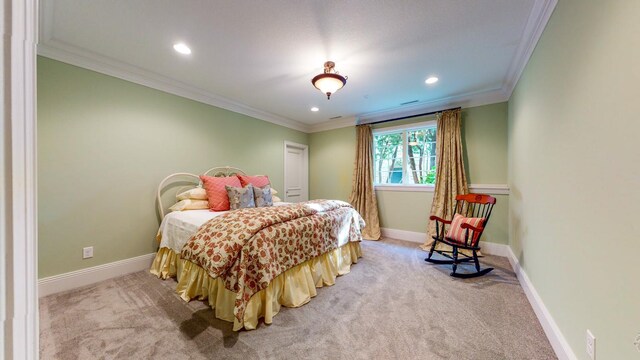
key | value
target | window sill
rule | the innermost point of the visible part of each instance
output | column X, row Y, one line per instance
column 400, row 187
column 493, row 189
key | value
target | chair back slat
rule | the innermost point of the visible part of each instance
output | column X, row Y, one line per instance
column 477, row 198
column 468, row 205
column 475, row 205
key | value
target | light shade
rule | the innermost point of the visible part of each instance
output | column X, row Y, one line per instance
column 182, row 48
column 329, row 82
column 431, row 80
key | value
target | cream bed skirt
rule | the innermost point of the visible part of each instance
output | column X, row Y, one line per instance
column 293, row 288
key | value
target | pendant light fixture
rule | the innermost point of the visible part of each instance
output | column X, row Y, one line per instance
column 330, row 81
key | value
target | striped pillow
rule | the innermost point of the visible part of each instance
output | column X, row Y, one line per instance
column 456, row 233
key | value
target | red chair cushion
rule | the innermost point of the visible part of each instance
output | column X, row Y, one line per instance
column 456, row 232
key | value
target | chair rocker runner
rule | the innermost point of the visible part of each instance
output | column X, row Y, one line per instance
column 464, row 233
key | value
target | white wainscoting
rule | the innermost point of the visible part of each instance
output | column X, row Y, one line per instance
column 75, row 279
column 556, row 338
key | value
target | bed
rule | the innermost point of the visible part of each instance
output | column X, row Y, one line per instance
column 247, row 263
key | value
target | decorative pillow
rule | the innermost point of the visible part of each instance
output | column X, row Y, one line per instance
column 240, row 198
column 256, row 181
column 456, row 232
column 274, row 191
column 216, row 191
column 275, row 198
column 190, row 204
column 262, row 196
column 195, row 194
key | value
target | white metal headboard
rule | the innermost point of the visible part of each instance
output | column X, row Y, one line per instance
column 219, row 171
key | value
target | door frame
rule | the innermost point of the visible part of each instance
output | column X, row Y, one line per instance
column 18, row 185
column 305, row 166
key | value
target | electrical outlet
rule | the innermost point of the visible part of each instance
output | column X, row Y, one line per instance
column 591, row 345
column 87, row 252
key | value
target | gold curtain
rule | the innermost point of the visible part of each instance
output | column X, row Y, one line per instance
column 450, row 176
column 363, row 196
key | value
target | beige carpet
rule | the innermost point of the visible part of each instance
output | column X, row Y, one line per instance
column 393, row 305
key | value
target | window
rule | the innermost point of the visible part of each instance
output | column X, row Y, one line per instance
column 405, row 155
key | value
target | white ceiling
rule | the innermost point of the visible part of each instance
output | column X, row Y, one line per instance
column 258, row 57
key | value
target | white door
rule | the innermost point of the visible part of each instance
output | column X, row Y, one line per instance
column 296, row 172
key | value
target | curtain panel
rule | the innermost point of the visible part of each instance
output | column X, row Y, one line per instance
column 451, row 179
column 363, row 196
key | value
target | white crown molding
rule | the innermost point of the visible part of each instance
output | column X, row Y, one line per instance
column 83, row 277
column 464, row 100
column 60, row 51
column 57, row 50
column 334, row 124
column 537, row 22
column 556, row 338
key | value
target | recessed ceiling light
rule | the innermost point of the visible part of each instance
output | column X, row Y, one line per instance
column 315, row 109
column 431, row 80
column 182, row 48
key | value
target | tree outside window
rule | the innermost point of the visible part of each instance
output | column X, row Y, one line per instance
column 405, row 156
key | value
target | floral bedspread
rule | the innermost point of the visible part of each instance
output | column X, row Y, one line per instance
column 248, row 248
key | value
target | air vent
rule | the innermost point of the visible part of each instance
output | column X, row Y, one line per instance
column 409, row 102
column 335, row 117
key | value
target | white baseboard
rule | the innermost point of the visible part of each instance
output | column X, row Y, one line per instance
column 420, row 237
column 413, row 236
column 75, row 279
column 558, row 342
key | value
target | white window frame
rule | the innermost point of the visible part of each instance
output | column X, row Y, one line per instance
column 405, row 155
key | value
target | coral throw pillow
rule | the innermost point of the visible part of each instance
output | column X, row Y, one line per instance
column 456, row 232
column 216, row 191
column 257, row 181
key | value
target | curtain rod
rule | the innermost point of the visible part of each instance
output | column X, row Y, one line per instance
column 410, row 116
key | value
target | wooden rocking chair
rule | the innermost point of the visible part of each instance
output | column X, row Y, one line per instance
column 471, row 214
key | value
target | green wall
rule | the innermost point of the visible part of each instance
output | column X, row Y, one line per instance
column 331, row 162
column 574, row 170
column 104, row 145
column 485, row 143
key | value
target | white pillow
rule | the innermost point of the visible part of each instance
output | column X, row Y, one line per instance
column 194, row 194
column 190, row 204
column 275, row 198
column 273, row 191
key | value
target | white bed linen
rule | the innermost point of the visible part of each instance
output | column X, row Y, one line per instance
column 178, row 227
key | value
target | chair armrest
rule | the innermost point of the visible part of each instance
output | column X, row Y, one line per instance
column 433, row 217
column 467, row 226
